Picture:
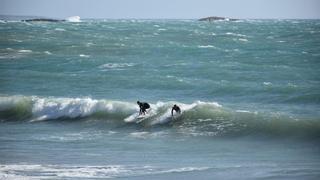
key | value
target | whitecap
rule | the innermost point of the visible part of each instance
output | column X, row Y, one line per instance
column 25, row 51
column 60, row 29
column 89, row 44
column 116, row 65
column 267, row 83
column 185, row 169
column 141, row 135
column 47, row 52
column 242, row 39
column 48, row 108
column 243, row 111
column 292, row 85
column 17, row 40
column 27, row 171
column 73, row 19
column 84, row 55
column 206, row 46
column 235, row 34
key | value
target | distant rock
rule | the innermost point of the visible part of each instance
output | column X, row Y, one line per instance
column 216, row 18
column 43, row 20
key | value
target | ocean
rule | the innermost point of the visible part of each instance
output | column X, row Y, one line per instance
column 249, row 91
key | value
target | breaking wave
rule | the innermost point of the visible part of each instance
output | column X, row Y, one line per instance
column 197, row 118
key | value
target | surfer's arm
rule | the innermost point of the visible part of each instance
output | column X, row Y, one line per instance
column 172, row 112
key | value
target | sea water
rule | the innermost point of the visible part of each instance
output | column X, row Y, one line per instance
column 249, row 91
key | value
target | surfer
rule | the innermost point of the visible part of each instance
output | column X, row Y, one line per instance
column 175, row 108
column 143, row 107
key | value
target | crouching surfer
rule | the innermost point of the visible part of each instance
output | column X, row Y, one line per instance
column 143, row 107
column 175, row 108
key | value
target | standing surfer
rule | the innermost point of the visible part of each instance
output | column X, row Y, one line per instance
column 143, row 107
column 175, row 108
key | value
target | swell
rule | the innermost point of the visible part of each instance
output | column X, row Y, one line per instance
column 197, row 118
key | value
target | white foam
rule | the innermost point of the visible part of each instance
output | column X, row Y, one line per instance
column 267, row 83
column 89, row 44
column 141, row 135
column 25, row 51
column 27, row 171
column 47, row 108
column 242, row 39
column 17, row 40
column 206, row 46
column 185, row 169
column 47, row 52
column 235, row 34
column 84, row 55
column 243, row 111
column 73, row 19
column 59, row 29
column 38, row 171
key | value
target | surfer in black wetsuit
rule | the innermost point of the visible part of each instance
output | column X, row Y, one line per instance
column 175, row 108
column 143, row 107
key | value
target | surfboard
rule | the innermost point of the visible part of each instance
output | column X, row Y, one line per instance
column 136, row 117
column 132, row 118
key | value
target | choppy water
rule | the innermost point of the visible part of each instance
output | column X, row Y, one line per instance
column 249, row 92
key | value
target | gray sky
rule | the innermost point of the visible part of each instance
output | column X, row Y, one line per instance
column 148, row 9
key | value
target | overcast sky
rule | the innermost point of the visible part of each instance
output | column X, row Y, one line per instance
column 149, row 9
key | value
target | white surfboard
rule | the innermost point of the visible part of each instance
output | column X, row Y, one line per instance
column 136, row 117
column 132, row 118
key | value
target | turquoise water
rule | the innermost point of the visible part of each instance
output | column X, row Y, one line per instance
column 249, row 91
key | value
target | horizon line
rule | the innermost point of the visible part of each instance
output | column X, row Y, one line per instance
column 160, row 18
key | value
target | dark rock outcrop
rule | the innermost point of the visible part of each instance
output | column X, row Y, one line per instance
column 43, row 20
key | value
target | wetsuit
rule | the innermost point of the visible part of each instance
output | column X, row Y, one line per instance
column 143, row 107
column 175, row 108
